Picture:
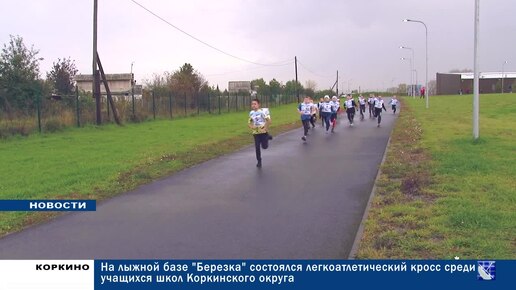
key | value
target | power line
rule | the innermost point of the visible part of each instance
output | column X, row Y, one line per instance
column 244, row 70
column 203, row 42
column 314, row 73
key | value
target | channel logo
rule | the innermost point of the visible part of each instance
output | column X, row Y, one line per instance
column 486, row 270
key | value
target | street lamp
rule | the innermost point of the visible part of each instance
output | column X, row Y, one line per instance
column 426, row 51
column 411, row 68
column 415, row 88
column 503, row 71
column 410, row 71
column 476, row 91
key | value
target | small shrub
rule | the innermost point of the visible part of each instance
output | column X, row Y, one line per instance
column 53, row 125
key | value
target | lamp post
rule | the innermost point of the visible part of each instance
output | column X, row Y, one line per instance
column 410, row 71
column 476, row 93
column 426, row 52
column 415, row 85
column 503, row 71
column 411, row 68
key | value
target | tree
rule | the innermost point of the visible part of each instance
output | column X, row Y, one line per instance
column 186, row 80
column 321, row 94
column 61, row 76
column 311, row 84
column 292, row 86
column 19, row 74
column 260, row 86
column 275, row 87
column 158, row 84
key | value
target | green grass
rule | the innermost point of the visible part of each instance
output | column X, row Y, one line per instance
column 99, row 162
column 441, row 194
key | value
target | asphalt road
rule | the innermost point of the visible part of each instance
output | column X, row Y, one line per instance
column 306, row 202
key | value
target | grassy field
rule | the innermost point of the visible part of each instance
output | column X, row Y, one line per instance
column 99, row 162
column 441, row 194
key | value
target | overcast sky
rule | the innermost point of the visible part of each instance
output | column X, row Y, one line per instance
column 361, row 39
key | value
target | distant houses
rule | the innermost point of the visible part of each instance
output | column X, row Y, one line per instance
column 120, row 85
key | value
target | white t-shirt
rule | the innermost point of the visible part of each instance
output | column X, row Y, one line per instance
column 335, row 106
column 348, row 104
column 326, row 107
column 378, row 104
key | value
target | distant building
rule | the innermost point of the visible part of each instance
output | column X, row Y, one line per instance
column 462, row 83
column 119, row 85
column 239, row 86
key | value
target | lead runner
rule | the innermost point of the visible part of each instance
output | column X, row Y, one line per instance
column 259, row 124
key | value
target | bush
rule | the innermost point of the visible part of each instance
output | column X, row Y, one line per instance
column 53, row 125
column 138, row 117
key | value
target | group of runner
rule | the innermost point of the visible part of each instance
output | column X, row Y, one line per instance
column 327, row 110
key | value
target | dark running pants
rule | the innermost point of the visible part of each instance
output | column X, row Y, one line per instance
column 326, row 117
column 394, row 108
column 378, row 114
column 306, row 125
column 263, row 141
column 362, row 110
column 351, row 114
column 312, row 120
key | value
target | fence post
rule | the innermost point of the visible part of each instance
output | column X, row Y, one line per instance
column 236, row 102
column 228, row 101
column 107, row 103
column 170, row 104
column 185, row 104
column 209, row 103
column 78, row 112
column 153, row 106
column 219, row 104
column 132, row 95
column 198, row 104
column 38, row 105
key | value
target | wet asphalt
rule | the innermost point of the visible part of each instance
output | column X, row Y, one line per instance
column 306, row 202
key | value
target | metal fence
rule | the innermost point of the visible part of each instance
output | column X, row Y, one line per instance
column 50, row 114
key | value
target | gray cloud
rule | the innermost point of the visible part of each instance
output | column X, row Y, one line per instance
column 359, row 38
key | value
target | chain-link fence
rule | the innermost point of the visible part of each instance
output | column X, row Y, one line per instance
column 54, row 113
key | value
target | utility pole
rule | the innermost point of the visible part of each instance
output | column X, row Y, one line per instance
column 297, row 84
column 95, row 74
column 337, row 89
column 476, row 97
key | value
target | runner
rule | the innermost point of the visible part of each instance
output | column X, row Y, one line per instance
column 362, row 103
column 374, row 102
column 326, row 112
column 370, row 104
column 335, row 108
column 305, row 110
column 394, row 102
column 378, row 106
column 314, row 110
column 259, row 123
column 319, row 106
column 350, row 106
